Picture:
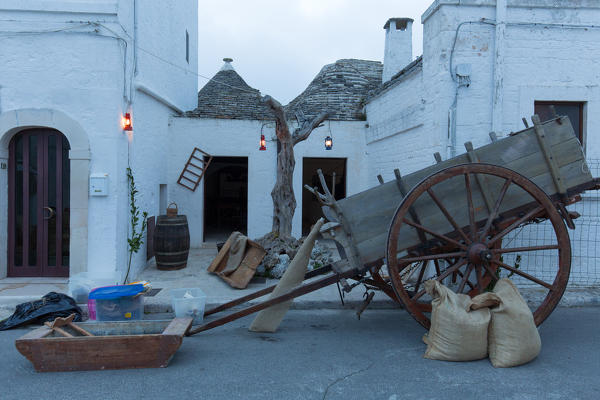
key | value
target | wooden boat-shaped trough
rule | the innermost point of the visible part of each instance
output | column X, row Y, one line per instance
column 115, row 345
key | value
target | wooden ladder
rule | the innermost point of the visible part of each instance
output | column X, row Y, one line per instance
column 192, row 173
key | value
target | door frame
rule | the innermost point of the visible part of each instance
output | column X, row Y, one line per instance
column 13, row 122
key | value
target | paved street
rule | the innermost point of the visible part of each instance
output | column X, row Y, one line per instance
column 328, row 354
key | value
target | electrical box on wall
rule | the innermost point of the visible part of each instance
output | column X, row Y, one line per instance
column 99, row 185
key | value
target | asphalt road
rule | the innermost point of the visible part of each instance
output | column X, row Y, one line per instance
column 328, row 354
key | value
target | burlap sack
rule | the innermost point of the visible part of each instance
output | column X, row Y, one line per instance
column 513, row 337
column 457, row 332
column 268, row 320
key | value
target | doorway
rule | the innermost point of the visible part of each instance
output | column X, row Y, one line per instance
column 38, row 204
column 334, row 171
column 225, row 198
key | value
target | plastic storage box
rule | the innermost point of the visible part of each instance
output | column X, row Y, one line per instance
column 118, row 303
column 189, row 303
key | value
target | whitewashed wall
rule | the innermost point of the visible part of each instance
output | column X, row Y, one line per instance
column 240, row 138
column 395, row 135
column 161, row 90
column 88, row 74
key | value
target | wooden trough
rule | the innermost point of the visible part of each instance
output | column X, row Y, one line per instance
column 115, row 345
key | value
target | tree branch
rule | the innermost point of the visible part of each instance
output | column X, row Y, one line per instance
column 307, row 127
column 283, row 133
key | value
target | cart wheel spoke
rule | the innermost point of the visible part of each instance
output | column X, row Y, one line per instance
column 432, row 233
column 421, row 273
column 514, row 225
column 492, row 273
column 465, row 278
column 407, row 260
column 479, row 279
column 437, row 267
column 524, row 275
column 448, row 216
column 494, row 213
column 524, row 249
column 462, row 276
column 439, row 278
column 473, row 229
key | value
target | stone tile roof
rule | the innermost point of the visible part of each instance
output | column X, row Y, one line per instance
column 340, row 89
column 221, row 97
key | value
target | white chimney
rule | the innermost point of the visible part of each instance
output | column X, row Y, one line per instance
column 398, row 46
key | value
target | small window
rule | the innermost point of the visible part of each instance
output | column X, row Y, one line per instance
column 572, row 109
column 187, row 46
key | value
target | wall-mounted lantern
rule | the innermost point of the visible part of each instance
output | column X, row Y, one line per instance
column 126, row 122
column 328, row 143
column 263, row 143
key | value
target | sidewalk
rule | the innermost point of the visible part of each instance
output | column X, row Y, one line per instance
column 219, row 292
column 14, row 291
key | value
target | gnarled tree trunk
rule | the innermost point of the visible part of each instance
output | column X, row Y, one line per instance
column 284, row 200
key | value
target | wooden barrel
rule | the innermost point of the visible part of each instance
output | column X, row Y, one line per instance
column 171, row 242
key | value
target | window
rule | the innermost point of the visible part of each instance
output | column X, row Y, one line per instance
column 572, row 109
column 187, row 46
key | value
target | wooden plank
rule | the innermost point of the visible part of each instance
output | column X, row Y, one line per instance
column 178, row 326
column 481, row 181
column 546, row 149
column 221, row 257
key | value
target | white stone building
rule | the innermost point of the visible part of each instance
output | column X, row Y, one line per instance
column 228, row 123
column 69, row 72
column 485, row 64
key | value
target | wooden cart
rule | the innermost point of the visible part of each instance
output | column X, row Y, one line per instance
column 465, row 221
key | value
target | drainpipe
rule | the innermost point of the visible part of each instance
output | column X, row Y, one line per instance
column 498, row 92
column 135, row 30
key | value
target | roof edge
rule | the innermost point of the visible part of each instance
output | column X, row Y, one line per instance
column 396, row 79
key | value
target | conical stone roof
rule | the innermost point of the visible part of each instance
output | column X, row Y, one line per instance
column 228, row 96
column 340, row 89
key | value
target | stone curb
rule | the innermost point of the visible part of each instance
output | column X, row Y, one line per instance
column 584, row 297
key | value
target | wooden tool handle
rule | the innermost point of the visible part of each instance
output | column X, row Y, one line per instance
column 80, row 329
column 57, row 329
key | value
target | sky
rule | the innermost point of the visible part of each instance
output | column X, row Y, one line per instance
column 279, row 46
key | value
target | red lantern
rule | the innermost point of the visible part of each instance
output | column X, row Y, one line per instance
column 263, row 143
column 126, row 122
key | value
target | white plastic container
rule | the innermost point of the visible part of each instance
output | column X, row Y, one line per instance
column 189, row 303
column 82, row 283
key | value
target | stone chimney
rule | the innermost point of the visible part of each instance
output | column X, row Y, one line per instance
column 398, row 46
column 227, row 65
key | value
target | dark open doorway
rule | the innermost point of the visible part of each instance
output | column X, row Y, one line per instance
column 225, row 198
column 311, row 209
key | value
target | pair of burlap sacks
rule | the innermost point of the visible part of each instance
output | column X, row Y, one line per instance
column 499, row 324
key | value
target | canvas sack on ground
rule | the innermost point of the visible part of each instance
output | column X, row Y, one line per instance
column 513, row 336
column 457, row 332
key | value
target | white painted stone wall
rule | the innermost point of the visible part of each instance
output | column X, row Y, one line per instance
column 88, row 73
column 240, row 138
column 395, row 135
column 548, row 53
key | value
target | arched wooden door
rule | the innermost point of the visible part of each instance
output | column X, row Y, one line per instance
column 38, row 204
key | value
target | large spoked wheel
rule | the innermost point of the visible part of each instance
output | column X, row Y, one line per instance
column 446, row 229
